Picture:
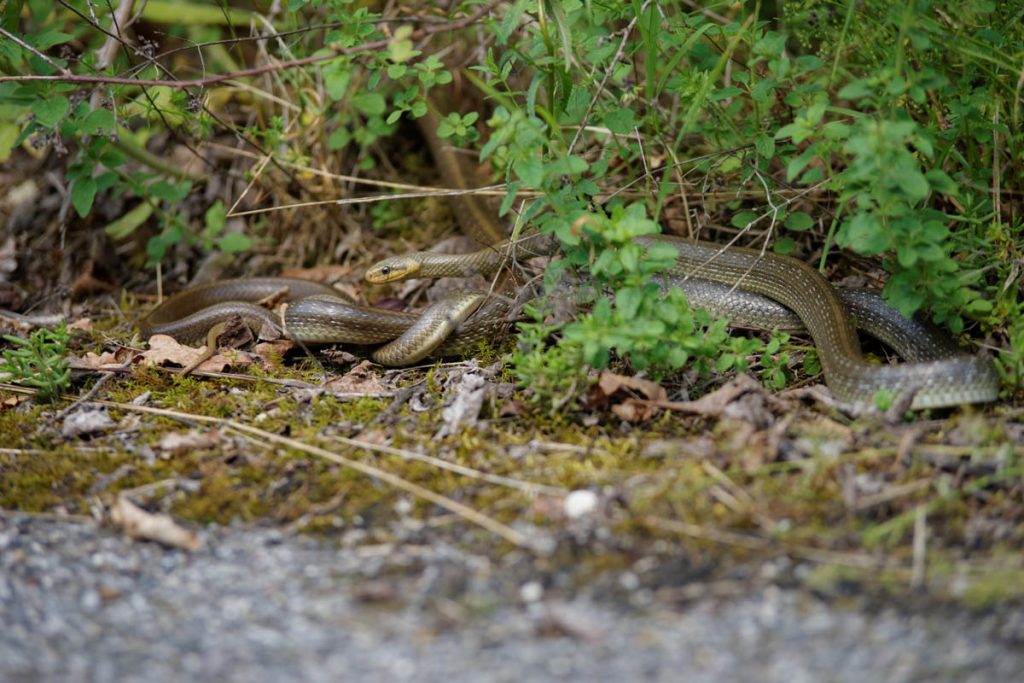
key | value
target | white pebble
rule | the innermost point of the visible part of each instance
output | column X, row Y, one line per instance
column 531, row 592
column 579, row 503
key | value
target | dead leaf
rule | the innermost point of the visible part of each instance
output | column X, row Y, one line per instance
column 165, row 351
column 361, row 379
column 271, row 352
column 715, row 403
column 13, row 401
column 622, row 393
column 177, row 443
column 108, row 360
column 139, row 524
column 83, row 324
column 86, row 423
column 464, row 402
column 513, row 408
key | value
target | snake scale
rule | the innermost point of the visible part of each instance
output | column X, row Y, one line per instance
column 753, row 288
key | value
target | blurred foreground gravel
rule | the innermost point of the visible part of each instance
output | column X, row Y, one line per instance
column 81, row 603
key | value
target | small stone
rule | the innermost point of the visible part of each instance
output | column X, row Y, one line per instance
column 579, row 503
column 531, row 591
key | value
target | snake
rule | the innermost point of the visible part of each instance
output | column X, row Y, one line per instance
column 754, row 288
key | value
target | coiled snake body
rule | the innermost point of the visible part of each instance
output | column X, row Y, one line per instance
column 743, row 284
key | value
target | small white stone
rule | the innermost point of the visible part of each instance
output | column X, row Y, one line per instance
column 579, row 503
column 531, row 591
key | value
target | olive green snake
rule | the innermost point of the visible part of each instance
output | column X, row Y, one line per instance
column 754, row 288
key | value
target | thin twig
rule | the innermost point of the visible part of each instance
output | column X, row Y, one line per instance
column 504, row 531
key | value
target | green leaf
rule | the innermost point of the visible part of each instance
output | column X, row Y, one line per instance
column 8, row 135
column 370, row 103
column 914, row 184
column 724, row 93
column 628, row 300
column 743, row 219
column 400, row 46
column 215, row 218
column 234, row 242
column 95, row 121
column 941, row 182
column 816, row 112
column 570, row 165
column 620, row 121
column 47, row 39
column 339, row 138
column 836, row 130
column 50, row 111
column 906, row 255
column 856, row 90
column 784, row 245
column 866, row 235
column 530, row 171
column 127, row 224
column 83, row 192
column 170, row 192
column 336, row 80
column 799, row 221
column 798, row 164
column 765, row 146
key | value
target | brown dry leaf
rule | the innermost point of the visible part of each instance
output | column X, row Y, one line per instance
column 359, row 380
column 83, row 324
column 270, row 350
column 177, row 443
column 167, row 352
column 713, row 404
column 108, row 360
column 12, row 401
column 137, row 523
column 622, row 393
column 513, row 408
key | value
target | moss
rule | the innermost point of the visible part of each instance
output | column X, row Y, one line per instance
column 63, row 477
column 788, row 499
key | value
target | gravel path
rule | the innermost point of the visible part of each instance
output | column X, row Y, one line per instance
column 81, row 603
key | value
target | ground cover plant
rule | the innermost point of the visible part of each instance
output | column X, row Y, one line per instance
column 144, row 143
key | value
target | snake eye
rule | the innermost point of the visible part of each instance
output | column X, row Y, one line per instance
column 385, row 270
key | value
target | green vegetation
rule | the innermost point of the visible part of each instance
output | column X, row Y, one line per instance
column 886, row 129
column 39, row 362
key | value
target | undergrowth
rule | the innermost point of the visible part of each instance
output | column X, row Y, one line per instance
column 889, row 130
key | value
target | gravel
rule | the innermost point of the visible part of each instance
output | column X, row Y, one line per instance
column 79, row 602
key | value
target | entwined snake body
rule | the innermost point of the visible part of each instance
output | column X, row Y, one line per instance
column 739, row 283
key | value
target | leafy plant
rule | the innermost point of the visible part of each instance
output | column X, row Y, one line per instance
column 39, row 361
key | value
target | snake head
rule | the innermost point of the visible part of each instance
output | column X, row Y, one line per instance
column 392, row 270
